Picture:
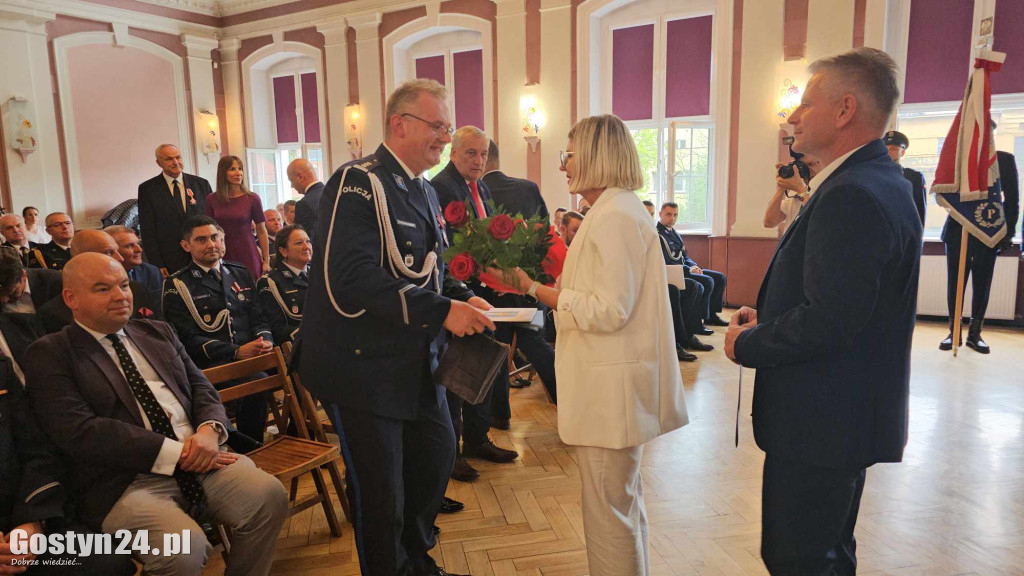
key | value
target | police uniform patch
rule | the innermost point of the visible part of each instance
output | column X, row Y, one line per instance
column 409, row 260
column 207, row 318
column 356, row 190
column 197, row 273
column 400, row 181
column 287, row 274
column 295, row 309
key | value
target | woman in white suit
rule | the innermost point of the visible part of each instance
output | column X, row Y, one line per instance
column 619, row 384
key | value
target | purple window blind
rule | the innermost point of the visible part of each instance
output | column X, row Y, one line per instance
column 469, row 88
column 688, row 67
column 1009, row 21
column 633, row 72
column 431, row 67
column 938, row 50
column 284, row 110
column 310, row 107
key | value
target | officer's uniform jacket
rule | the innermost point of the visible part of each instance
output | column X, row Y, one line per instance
column 213, row 318
column 673, row 248
column 50, row 255
column 282, row 294
column 916, row 180
column 378, row 293
column 27, row 256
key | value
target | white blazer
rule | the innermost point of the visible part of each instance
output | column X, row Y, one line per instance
column 618, row 376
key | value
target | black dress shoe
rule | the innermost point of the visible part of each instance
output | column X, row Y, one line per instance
column 500, row 423
column 697, row 345
column 974, row 342
column 685, row 356
column 486, row 450
column 518, row 383
column 716, row 320
column 947, row 344
column 463, row 472
column 435, row 530
column 449, row 506
column 703, row 331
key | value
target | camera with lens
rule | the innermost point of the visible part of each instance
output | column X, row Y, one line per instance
column 796, row 166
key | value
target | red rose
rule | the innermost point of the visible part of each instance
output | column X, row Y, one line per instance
column 501, row 227
column 455, row 214
column 462, row 265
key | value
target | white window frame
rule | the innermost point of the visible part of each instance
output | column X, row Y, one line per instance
column 284, row 190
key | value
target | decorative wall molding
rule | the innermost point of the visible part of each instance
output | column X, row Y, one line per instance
column 60, row 53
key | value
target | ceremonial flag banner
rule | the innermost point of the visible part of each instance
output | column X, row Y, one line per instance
column 967, row 181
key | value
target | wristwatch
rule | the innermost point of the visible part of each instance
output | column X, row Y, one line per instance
column 532, row 290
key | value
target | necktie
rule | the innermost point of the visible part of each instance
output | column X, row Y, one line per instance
column 215, row 273
column 303, row 276
column 177, row 195
column 188, row 482
column 478, row 204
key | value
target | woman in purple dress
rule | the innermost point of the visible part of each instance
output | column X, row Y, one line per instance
column 237, row 210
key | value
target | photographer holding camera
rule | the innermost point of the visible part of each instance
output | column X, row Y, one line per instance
column 792, row 189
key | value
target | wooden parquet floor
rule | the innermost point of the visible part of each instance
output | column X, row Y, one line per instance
column 955, row 506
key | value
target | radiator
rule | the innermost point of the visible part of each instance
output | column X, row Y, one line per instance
column 931, row 294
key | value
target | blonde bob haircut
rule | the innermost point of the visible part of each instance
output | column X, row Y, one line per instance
column 605, row 155
column 403, row 99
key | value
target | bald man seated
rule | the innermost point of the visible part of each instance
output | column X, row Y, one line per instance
column 55, row 314
column 141, row 429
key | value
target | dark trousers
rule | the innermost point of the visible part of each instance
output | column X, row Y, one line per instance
column 540, row 354
column 472, row 422
column 981, row 265
column 250, row 412
column 397, row 474
column 687, row 309
column 714, row 290
column 808, row 515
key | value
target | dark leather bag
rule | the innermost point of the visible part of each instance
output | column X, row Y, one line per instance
column 469, row 366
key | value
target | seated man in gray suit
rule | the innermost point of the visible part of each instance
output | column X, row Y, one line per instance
column 141, row 428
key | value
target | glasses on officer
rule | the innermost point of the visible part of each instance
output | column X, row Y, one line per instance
column 437, row 128
column 564, row 156
column 61, row 223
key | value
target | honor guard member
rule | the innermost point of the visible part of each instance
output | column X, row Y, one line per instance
column 55, row 254
column 896, row 143
column 378, row 303
column 282, row 290
column 212, row 304
column 981, row 260
column 674, row 249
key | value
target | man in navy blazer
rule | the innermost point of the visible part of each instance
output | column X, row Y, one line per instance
column 831, row 336
column 165, row 201
column 303, row 179
column 515, row 195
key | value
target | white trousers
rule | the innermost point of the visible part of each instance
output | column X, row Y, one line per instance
column 614, row 518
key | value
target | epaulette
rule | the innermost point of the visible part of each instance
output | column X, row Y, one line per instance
column 233, row 264
column 178, row 272
column 366, row 163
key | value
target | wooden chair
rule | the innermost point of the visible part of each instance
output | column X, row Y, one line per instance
column 286, row 457
column 318, row 423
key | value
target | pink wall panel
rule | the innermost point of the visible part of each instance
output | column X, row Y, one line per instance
column 284, row 110
column 469, row 88
column 633, row 71
column 688, row 67
column 310, row 107
column 938, row 50
column 124, row 106
column 1009, row 23
column 431, row 67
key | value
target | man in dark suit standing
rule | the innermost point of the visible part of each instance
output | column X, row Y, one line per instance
column 831, row 335
column 372, row 330
column 896, row 143
column 981, row 260
column 165, row 201
column 25, row 291
column 142, row 429
column 515, row 195
column 303, row 179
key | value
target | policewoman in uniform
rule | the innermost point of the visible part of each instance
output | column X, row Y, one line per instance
column 896, row 143
column 378, row 302
column 282, row 290
column 212, row 304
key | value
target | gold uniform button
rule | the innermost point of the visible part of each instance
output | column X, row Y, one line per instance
column 425, row 326
column 408, row 243
column 358, row 352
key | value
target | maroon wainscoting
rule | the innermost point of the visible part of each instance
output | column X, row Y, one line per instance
column 743, row 260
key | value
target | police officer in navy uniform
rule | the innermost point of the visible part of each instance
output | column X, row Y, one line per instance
column 981, row 260
column 896, row 143
column 712, row 281
column 212, row 304
column 56, row 253
column 282, row 290
column 378, row 303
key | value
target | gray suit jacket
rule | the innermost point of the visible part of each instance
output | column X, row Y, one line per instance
column 85, row 405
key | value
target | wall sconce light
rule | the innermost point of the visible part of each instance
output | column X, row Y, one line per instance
column 789, row 98
column 210, row 125
column 354, row 130
column 21, row 126
column 533, row 121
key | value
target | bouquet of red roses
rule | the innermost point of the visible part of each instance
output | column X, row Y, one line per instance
column 500, row 241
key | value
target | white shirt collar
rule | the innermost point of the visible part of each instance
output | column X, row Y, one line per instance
column 400, row 163
column 168, row 179
column 295, row 270
column 827, row 171
column 99, row 336
column 205, row 269
column 314, row 182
